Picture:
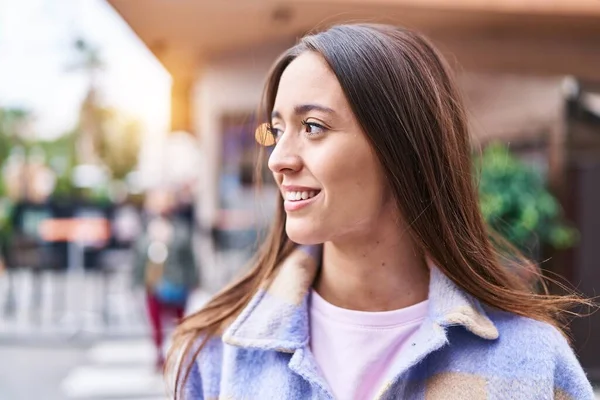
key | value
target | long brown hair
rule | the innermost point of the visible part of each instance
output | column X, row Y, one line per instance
column 405, row 99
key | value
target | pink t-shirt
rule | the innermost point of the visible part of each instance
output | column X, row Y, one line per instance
column 354, row 349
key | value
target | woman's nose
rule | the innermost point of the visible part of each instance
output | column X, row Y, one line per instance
column 284, row 159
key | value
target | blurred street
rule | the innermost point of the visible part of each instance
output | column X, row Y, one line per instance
column 117, row 369
column 82, row 356
column 49, row 364
column 81, row 305
column 90, row 339
column 131, row 148
column 54, row 304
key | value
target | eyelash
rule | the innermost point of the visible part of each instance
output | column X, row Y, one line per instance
column 277, row 132
column 313, row 125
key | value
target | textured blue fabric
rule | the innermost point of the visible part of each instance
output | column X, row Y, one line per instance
column 461, row 351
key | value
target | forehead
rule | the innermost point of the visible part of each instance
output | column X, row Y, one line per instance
column 308, row 79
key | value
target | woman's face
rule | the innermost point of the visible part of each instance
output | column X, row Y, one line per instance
column 329, row 177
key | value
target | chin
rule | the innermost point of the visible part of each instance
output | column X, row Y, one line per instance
column 302, row 233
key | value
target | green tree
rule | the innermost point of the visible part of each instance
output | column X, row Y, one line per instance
column 120, row 142
column 88, row 133
column 13, row 123
column 516, row 203
column 61, row 157
column 104, row 134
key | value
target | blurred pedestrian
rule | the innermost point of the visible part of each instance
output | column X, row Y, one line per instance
column 185, row 207
column 409, row 298
column 165, row 264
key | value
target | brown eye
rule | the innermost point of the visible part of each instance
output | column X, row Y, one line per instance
column 313, row 129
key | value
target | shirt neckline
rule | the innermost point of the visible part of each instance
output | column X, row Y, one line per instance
column 368, row 319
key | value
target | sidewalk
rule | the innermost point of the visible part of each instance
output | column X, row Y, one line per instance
column 108, row 369
column 86, row 367
column 116, row 370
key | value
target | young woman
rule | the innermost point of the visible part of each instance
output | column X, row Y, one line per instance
column 409, row 297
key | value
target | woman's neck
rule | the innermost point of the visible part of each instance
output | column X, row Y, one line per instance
column 380, row 272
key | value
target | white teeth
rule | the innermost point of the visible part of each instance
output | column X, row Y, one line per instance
column 295, row 196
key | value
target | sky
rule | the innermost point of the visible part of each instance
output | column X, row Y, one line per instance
column 36, row 51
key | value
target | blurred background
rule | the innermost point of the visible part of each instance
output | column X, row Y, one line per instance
column 127, row 136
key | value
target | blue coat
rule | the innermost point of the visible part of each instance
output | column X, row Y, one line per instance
column 463, row 350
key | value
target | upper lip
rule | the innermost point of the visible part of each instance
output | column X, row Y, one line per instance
column 293, row 188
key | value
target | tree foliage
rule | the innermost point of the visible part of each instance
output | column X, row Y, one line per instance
column 119, row 141
column 104, row 134
column 12, row 122
column 516, row 203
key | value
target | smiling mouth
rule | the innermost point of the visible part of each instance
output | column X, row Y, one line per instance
column 299, row 196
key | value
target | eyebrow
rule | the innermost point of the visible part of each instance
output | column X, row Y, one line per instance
column 302, row 109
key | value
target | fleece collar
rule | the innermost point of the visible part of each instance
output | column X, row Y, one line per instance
column 277, row 316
